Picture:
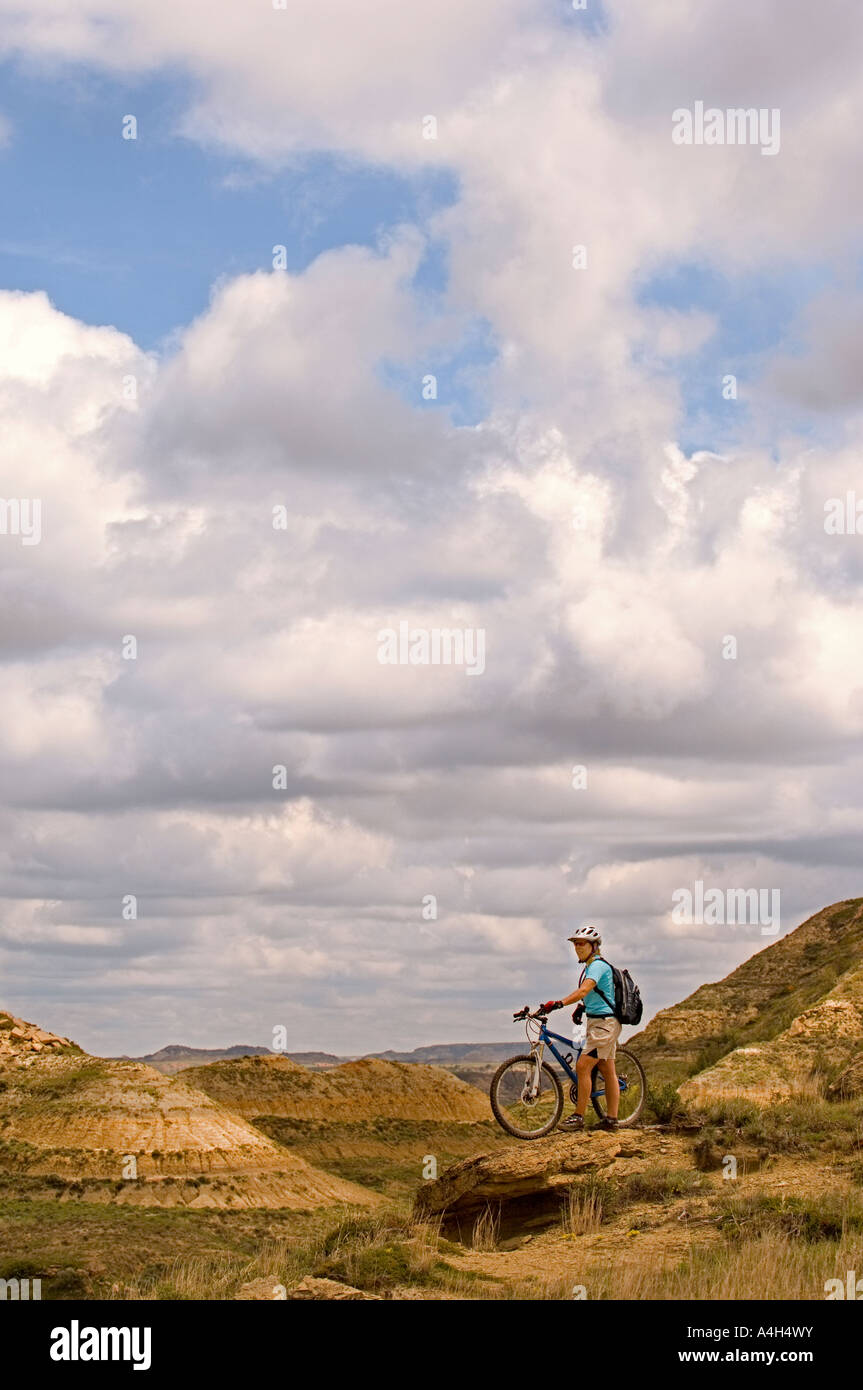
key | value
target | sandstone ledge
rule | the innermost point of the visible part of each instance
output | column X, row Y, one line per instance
column 531, row 1168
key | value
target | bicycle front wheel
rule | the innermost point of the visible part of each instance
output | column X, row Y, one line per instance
column 633, row 1088
column 527, row 1100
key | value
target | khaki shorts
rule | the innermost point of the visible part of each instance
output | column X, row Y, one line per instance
column 602, row 1035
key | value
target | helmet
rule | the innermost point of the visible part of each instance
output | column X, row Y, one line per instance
column 586, row 934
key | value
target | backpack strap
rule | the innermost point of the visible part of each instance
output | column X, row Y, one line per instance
column 600, row 992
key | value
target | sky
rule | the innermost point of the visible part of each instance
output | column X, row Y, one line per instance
column 418, row 315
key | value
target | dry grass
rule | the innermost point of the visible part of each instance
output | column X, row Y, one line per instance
column 388, row 1254
column 409, row 1259
column 772, row 1267
column 582, row 1211
column 486, row 1228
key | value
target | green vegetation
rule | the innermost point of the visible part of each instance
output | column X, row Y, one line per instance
column 383, row 1256
column 374, row 1267
column 386, row 1155
column 710, row 1054
column 117, row 1248
column 826, row 1216
column 801, row 1124
column 664, row 1102
column 597, row 1199
column 658, row 1185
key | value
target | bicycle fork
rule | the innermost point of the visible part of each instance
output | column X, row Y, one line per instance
column 530, row 1090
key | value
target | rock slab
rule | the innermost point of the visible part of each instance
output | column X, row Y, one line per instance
column 530, row 1168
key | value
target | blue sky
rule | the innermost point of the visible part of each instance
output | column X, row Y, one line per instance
column 755, row 313
column 134, row 233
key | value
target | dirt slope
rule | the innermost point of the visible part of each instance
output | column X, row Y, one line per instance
column 361, row 1090
column 759, row 1000
column 78, row 1120
column 827, row 1036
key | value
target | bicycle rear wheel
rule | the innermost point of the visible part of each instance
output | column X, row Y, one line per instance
column 525, row 1106
column 633, row 1088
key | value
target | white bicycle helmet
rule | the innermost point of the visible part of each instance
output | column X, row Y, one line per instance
column 587, row 934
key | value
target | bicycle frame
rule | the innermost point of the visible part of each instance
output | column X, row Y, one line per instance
column 543, row 1039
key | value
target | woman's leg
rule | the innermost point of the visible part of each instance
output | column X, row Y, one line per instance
column 583, row 1070
column 612, row 1089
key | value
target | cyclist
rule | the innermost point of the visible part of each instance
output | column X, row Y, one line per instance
column 596, row 990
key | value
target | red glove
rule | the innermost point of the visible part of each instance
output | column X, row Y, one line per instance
column 550, row 1007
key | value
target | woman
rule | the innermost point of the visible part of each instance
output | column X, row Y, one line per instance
column 596, row 989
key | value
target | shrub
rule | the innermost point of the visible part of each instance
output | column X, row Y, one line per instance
column 707, row 1152
column 377, row 1266
column 665, row 1103
column 69, row 1283
column 659, row 1184
column 19, row 1268
column 353, row 1229
column 732, row 1113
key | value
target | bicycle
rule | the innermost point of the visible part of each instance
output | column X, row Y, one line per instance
column 526, row 1088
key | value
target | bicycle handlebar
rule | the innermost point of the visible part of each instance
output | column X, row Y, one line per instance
column 526, row 1013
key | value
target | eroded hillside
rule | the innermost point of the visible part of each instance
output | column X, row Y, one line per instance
column 77, row 1126
column 756, row 1002
column 361, row 1090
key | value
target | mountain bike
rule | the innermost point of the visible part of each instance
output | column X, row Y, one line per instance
column 526, row 1092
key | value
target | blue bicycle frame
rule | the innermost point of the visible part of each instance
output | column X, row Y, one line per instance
column 545, row 1038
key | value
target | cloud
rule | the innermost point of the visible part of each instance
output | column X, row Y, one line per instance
column 827, row 375
column 606, row 564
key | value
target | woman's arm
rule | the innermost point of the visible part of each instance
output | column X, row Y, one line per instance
column 579, row 994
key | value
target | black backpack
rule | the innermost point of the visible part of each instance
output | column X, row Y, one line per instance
column 627, row 1004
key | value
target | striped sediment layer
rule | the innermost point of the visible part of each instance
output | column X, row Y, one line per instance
column 122, row 1131
column 356, row 1091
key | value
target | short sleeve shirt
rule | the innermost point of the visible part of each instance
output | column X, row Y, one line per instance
column 594, row 1004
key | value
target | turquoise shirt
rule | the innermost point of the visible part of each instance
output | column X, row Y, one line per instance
column 594, row 1004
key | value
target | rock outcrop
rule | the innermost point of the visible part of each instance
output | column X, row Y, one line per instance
column 20, row 1041
column 539, row 1167
column 330, row 1289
